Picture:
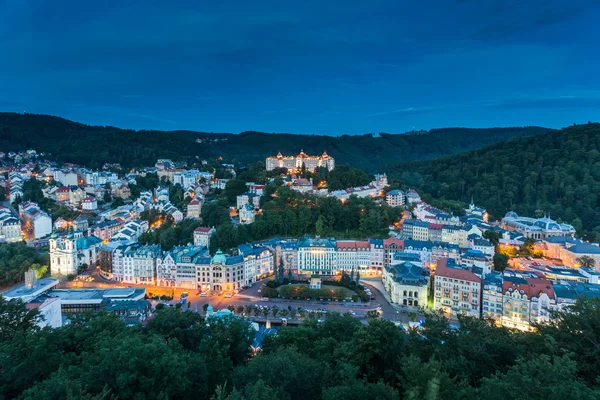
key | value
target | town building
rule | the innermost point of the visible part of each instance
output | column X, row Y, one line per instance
column 412, row 197
column 248, row 198
column 194, row 209
column 246, row 214
column 391, row 246
column 492, row 302
column 202, row 236
column 89, row 203
column 135, row 264
column 569, row 250
column 395, row 198
column 34, row 293
column 407, row 283
column 259, row 262
column 10, row 226
column 457, row 289
column 353, row 255
column 302, row 160
column 36, row 223
column 221, row 273
column 317, row 256
column 377, row 255
column 535, row 228
column 478, row 212
column 302, row 185
column 70, row 251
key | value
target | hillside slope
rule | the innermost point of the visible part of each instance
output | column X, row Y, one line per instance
column 557, row 173
column 94, row 146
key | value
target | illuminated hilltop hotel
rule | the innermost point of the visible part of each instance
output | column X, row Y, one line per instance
column 294, row 163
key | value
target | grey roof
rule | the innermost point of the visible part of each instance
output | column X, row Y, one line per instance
column 310, row 242
column 408, row 273
column 572, row 290
column 584, row 248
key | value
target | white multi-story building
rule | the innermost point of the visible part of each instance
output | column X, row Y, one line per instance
column 455, row 235
column 202, row 236
column 457, row 290
column 65, row 177
column 295, row 163
column 394, row 198
column 407, row 283
column 35, row 222
column 89, row 203
column 248, row 198
column 194, row 208
column 259, row 262
column 317, row 256
column 377, row 254
column 246, row 214
column 68, row 252
column 10, row 226
column 353, row 255
column 135, row 264
column 536, row 228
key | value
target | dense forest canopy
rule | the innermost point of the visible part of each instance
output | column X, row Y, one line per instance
column 557, row 173
column 179, row 355
column 95, row 145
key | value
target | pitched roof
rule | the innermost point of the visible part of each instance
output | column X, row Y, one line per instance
column 443, row 269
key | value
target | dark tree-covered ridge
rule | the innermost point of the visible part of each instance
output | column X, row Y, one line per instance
column 557, row 174
column 95, row 145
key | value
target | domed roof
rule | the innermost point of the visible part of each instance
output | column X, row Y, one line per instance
column 219, row 258
column 511, row 214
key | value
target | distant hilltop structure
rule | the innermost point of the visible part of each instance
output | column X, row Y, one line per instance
column 294, row 163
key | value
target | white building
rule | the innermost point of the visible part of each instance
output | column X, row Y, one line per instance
column 69, row 251
column 457, row 290
column 407, row 283
column 35, row 222
column 248, row 198
column 89, row 203
column 536, row 228
column 259, row 262
column 135, row 264
column 34, row 292
column 296, row 163
column 246, row 214
column 394, row 198
column 202, row 236
column 353, row 255
column 10, row 226
column 65, row 177
column 317, row 256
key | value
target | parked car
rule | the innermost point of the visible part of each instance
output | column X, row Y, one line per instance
column 228, row 296
column 203, row 294
column 264, row 299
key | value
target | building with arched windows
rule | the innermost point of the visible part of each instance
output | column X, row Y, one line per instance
column 535, row 228
column 71, row 250
column 295, row 163
column 407, row 283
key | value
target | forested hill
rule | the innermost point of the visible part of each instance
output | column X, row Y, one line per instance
column 557, row 173
column 93, row 145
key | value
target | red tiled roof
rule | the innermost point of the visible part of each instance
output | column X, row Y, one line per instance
column 393, row 240
column 354, row 244
column 202, row 229
column 538, row 286
column 442, row 269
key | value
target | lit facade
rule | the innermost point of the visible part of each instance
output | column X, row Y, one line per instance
column 295, row 163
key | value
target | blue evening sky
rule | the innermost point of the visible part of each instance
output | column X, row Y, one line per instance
column 309, row 66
